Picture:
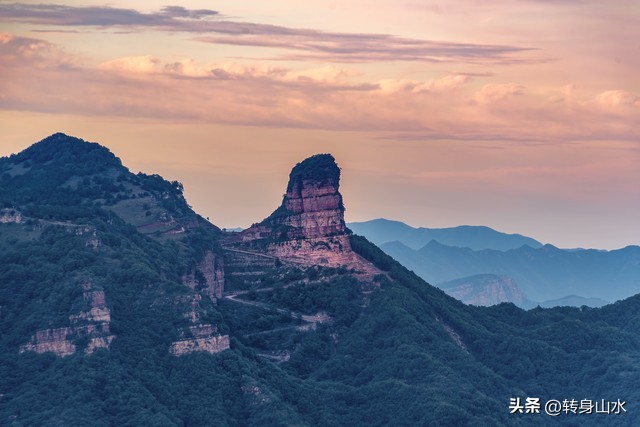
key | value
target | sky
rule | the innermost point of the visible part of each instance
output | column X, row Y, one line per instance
column 521, row 115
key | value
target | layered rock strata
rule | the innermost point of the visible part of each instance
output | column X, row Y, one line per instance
column 308, row 227
column 200, row 338
column 312, row 206
column 92, row 323
column 58, row 341
column 208, row 276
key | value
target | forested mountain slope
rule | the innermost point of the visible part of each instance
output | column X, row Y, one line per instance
column 110, row 315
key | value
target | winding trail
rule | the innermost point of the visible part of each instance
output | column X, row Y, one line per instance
column 316, row 318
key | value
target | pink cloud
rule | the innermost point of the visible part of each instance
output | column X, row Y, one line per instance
column 491, row 93
column 38, row 76
column 617, row 98
column 299, row 43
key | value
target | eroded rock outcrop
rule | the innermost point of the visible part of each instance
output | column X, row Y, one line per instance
column 199, row 337
column 204, row 338
column 308, row 227
column 58, row 341
column 97, row 311
column 208, row 276
column 91, row 324
column 8, row 216
column 312, row 206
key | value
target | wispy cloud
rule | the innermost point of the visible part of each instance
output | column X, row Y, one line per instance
column 182, row 12
column 170, row 17
column 39, row 76
column 344, row 47
column 308, row 44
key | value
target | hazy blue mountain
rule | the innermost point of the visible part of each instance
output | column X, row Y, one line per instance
column 485, row 290
column 380, row 231
column 544, row 273
column 490, row 289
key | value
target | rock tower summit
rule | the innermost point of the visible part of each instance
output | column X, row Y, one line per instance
column 309, row 226
column 312, row 207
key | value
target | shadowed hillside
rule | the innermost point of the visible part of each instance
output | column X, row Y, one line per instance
column 112, row 316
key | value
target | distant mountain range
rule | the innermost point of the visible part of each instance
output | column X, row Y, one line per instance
column 491, row 289
column 543, row 272
column 380, row 231
column 485, row 289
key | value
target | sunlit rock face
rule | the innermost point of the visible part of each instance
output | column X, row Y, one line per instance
column 309, row 227
column 92, row 324
column 312, row 206
column 201, row 338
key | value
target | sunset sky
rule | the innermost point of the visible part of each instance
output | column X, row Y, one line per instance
column 522, row 115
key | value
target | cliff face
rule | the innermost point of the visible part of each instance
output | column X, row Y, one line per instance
column 485, row 290
column 201, row 338
column 308, row 227
column 91, row 324
column 208, row 276
column 57, row 341
column 312, row 206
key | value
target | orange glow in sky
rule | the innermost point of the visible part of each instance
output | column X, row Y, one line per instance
column 522, row 115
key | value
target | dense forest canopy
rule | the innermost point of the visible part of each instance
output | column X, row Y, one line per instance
column 396, row 351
